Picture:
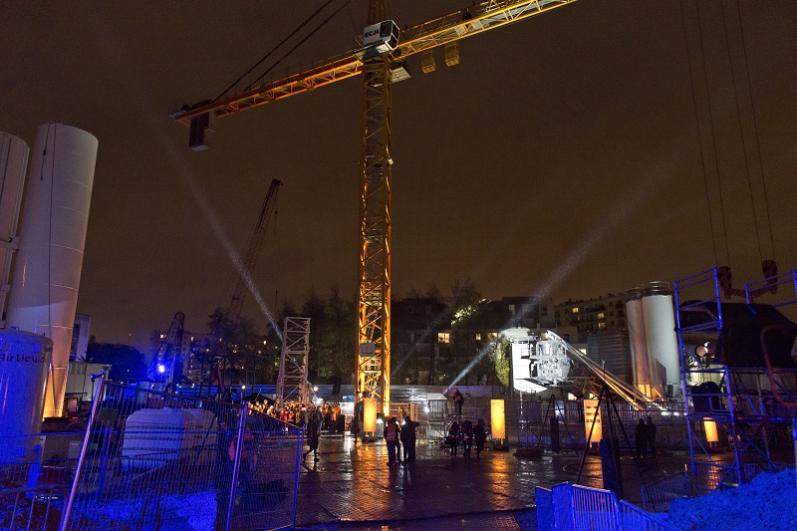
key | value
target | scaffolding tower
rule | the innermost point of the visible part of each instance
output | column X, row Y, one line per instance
column 292, row 383
column 739, row 380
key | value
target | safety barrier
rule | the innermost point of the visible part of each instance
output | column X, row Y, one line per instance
column 707, row 476
column 150, row 460
column 567, row 507
column 34, row 486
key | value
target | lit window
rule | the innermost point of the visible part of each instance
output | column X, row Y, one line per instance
column 602, row 324
column 492, row 336
column 443, row 337
column 574, row 309
column 601, row 315
column 478, row 337
column 511, row 308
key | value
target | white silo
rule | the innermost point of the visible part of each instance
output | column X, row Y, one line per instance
column 662, row 343
column 638, row 341
column 52, row 237
column 13, row 166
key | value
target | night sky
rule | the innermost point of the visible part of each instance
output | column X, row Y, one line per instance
column 560, row 157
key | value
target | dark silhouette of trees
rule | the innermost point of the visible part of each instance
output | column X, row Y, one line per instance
column 127, row 363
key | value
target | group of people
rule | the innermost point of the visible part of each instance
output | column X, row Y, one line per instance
column 398, row 436
column 466, row 435
column 645, row 438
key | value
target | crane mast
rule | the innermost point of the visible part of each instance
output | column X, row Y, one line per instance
column 374, row 279
column 374, row 272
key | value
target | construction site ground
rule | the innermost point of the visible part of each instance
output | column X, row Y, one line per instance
column 352, row 487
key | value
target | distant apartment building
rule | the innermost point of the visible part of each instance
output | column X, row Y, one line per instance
column 589, row 316
column 432, row 338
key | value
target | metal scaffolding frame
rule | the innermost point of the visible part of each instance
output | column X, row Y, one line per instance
column 749, row 404
column 292, row 383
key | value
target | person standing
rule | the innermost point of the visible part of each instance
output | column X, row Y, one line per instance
column 467, row 438
column 459, row 401
column 479, row 436
column 408, row 439
column 453, row 438
column 391, row 438
column 641, row 439
column 313, row 435
column 651, row 436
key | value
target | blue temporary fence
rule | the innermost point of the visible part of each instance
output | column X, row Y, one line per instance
column 567, row 507
column 152, row 460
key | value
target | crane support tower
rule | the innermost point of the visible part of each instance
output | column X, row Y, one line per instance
column 373, row 286
column 382, row 53
column 292, row 383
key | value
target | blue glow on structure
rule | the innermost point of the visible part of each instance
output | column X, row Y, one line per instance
column 161, row 368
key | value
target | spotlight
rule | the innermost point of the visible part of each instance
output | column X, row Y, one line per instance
column 161, row 368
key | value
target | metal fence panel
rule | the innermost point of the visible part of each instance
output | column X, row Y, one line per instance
column 562, row 496
column 544, row 509
column 154, row 460
column 634, row 518
column 268, row 477
column 595, row 509
column 33, row 488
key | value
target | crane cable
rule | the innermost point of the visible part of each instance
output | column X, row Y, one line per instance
column 699, row 132
column 297, row 45
column 274, row 49
column 712, row 133
column 755, row 128
column 748, row 176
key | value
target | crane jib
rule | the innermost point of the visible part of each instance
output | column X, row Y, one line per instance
column 416, row 39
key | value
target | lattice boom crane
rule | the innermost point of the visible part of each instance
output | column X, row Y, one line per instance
column 379, row 63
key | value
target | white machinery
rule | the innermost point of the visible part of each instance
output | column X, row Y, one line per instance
column 543, row 359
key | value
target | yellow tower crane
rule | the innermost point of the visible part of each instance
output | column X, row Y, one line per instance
column 379, row 61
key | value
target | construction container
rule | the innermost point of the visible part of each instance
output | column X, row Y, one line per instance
column 24, row 359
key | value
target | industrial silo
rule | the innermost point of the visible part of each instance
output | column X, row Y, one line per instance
column 52, row 237
column 662, row 343
column 13, row 167
column 640, row 361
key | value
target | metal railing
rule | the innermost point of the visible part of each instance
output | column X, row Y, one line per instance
column 708, row 476
column 149, row 460
column 569, row 507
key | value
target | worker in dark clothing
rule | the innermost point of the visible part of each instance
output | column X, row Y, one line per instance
column 651, row 436
column 479, row 436
column 408, row 439
column 313, row 435
column 223, row 478
column 641, row 439
column 453, row 438
column 467, row 438
column 459, row 400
